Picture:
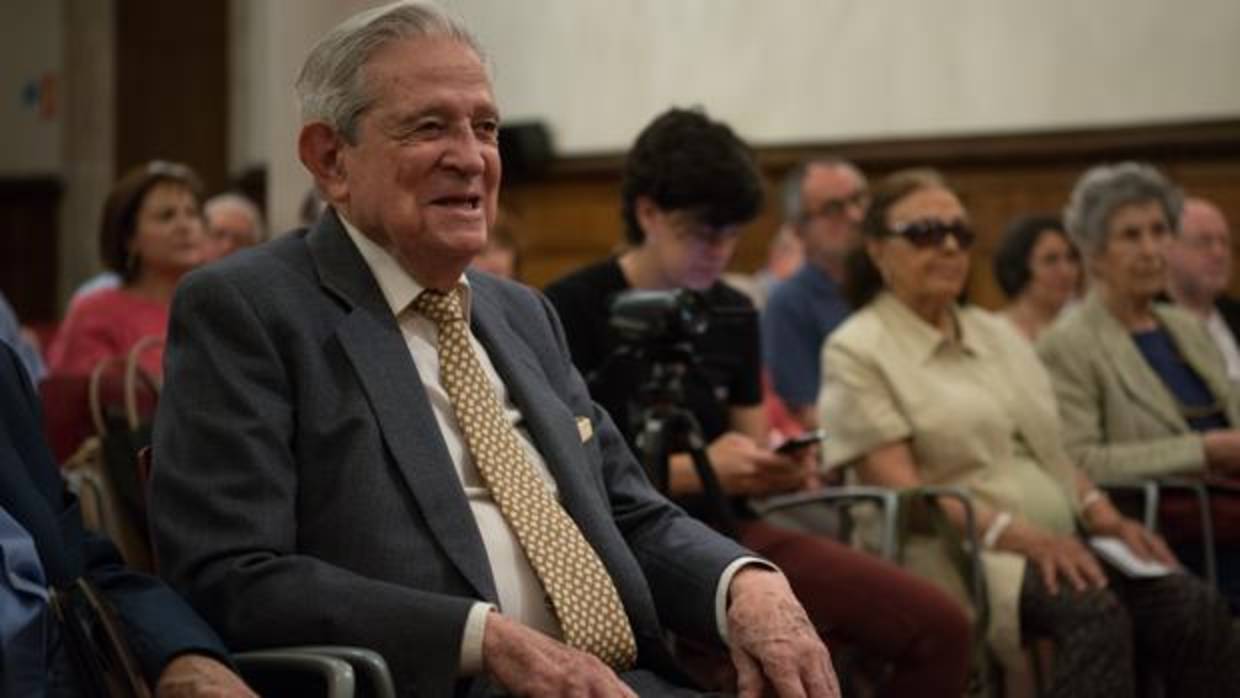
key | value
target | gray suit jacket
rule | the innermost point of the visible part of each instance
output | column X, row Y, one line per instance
column 1119, row 419
column 302, row 492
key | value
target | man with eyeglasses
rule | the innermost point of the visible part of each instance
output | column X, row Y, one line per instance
column 824, row 202
column 1199, row 272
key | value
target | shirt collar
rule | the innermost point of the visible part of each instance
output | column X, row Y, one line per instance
column 925, row 339
column 398, row 286
column 818, row 277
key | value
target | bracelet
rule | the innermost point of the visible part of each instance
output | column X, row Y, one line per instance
column 997, row 526
column 1091, row 498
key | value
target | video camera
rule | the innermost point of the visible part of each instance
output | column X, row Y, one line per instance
column 659, row 317
column 657, row 330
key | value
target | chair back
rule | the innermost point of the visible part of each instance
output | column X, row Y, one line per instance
column 107, row 471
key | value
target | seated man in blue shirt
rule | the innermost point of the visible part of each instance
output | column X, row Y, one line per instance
column 43, row 546
column 824, row 201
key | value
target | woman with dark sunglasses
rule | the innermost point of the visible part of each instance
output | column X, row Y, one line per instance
column 1142, row 387
column 921, row 390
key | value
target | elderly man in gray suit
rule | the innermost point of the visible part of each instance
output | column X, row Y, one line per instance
column 361, row 443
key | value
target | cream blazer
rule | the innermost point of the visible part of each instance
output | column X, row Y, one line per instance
column 1120, row 421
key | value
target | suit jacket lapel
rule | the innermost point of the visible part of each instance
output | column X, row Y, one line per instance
column 1202, row 356
column 1139, row 380
column 553, row 428
column 555, row 434
column 373, row 342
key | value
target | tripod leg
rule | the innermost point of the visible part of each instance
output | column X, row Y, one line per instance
column 718, row 502
column 654, row 455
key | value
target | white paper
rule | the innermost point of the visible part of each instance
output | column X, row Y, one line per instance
column 1117, row 552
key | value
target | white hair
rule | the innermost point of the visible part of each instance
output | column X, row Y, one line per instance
column 241, row 203
column 1105, row 188
column 331, row 86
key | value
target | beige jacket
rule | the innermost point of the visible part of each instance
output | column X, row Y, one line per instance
column 979, row 414
column 1119, row 419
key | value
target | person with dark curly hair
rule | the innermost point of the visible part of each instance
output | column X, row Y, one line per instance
column 690, row 187
column 1039, row 270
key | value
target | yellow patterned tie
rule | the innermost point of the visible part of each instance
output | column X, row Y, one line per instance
column 581, row 590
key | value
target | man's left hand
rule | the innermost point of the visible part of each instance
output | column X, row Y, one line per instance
column 199, row 676
column 773, row 643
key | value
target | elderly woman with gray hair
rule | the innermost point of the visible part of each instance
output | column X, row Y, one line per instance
column 1142, row 389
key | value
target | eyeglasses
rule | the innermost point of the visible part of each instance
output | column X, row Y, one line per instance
column 932, row 233
column 834, row 208
column 1205, row 243
column 703, row 233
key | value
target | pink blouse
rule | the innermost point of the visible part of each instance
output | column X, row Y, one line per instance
column 104, row 324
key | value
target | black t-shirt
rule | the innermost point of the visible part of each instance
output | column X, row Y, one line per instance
column 728, row 369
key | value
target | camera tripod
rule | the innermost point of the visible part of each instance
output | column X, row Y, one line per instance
column 663, row 428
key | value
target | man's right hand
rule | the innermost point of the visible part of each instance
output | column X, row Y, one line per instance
column 527, row 663
column 746, row 469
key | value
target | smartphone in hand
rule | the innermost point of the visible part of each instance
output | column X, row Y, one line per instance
column 799, row 443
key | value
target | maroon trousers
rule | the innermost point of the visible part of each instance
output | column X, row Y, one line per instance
column 860, row 602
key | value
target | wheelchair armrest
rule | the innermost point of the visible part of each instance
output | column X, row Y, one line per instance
column 977, row 585
column 886, row 499
column 284, row 663
column 1148, row 489
column 1151, row 491
column 368, row 665
column 1201, row 491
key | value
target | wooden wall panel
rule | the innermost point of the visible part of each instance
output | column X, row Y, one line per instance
column 172, row 85
column 571, row 216
column 28, row 248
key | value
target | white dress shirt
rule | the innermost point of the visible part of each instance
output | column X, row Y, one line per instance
column 1226, row 342
column 521, row 595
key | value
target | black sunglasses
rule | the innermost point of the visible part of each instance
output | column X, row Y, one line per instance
column 932, row 233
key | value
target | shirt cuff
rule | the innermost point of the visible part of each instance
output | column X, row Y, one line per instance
column 471, row 639
column 725, row 583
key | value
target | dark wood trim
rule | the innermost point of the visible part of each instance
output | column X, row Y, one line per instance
column 29, row 249
column 172, row 86
column 1199, row 139
column 1155, row 142
column 41, row 186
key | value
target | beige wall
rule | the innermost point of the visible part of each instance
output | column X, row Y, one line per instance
column 811, row 70
column 89, row 98
column 32, row 35
column 787, row 71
